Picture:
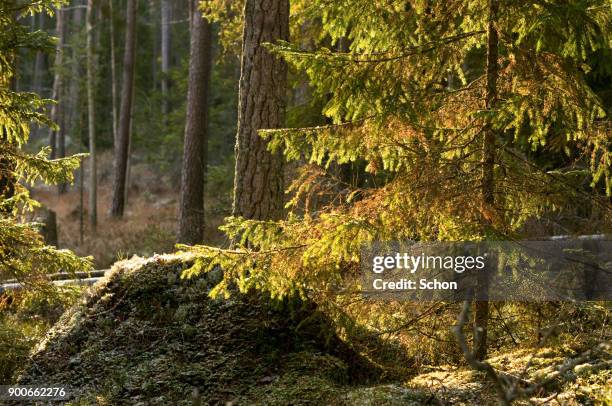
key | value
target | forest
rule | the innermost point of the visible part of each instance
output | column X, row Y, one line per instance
column 243, row 202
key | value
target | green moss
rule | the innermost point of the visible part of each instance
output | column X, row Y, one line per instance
column 146, row 335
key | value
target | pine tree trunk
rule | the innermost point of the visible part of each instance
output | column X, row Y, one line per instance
column 165, row 55
column 61, row 145
column 113, row 71
column 39, row 62
column 91, row 120
column 191, row 212
column 481, row 313
column 123, row 132
column 75, row 69
column 71, row 113
column 258, row 182
column 128, row 171
column 57, row 81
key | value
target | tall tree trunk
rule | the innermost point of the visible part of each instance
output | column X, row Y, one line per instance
column 39, row 61
column 165, row 55
column 61, row 143
column 481, row 314
column 128, row 171
column 191, row 212
column 258, row 182
column 91, row 121
column 123, row 133
column 72, row 113
column 81, row 179
column 56, row 112
column 113, row 71
column 75, row 71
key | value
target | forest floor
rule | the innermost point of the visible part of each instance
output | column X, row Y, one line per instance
column 145, row 336
column 147, row 227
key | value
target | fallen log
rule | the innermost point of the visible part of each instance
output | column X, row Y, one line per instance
column 65, row 275
column 14, row 286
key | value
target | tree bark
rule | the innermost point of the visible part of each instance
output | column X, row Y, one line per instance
column 128, row 171
column 191, row 211
column 113, row 71
column 56, row 112
column 165, row 55
column 39, row 62
column 481, row 314
column 75, row 70
column 258, row 182
column 91, row 120
column 71, row 116
column 123, row 133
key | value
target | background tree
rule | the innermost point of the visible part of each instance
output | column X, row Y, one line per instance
column 165, row 54
column 58, row 75
column 91, row 119
column 123, row 134
column 191, row 211
column 40, row 61
column 258, row 179
column 113, row 69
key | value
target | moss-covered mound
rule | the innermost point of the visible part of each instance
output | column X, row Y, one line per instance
column 144, row 335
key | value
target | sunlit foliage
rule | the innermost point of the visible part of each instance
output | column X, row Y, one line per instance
column 23, row 253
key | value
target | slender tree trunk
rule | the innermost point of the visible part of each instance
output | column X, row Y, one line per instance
column 128, row 171
column 75, row 71
column 81, row 182
column 61, row 143
column 123, row 133
column 56, row 112
column 481, row 314
column 113, row 71
column 91, row 121
column 191, row 211
column 39, row 61
column 258, row 182
column 165, row 55
column 71, row 115
column 155, row 33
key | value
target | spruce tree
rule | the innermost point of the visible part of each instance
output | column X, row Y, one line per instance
column 23, row 253
column 456, row 110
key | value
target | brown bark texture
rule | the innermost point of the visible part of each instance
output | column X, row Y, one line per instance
column 191, row 211
column 123, row 133
column 481, row 313
column 258, row 182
